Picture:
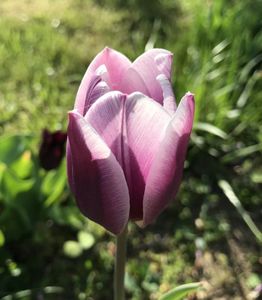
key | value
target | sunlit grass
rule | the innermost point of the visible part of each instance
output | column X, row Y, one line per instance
column 44, row 53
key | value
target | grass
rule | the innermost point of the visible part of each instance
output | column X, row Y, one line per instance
column 45, row 48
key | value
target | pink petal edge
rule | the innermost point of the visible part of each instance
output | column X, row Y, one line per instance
column 166, row 171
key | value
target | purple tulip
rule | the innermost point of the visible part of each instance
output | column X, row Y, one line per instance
column 127, row 140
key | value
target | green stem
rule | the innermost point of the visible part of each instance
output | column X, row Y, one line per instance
column 120, row 261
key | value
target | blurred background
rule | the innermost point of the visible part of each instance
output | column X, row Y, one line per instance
column 212, row 231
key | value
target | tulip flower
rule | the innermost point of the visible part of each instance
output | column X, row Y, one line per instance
column 52, row 149
column 127, row 139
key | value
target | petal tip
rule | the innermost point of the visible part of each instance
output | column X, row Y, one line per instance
column 190, row 99
column 161, row 77
column 107, row 49
column 73, row 113
column 167, row 56
column 190, row 94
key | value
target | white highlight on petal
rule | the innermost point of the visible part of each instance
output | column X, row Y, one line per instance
column 102, row 72
column 169, row 101
column 164, row 63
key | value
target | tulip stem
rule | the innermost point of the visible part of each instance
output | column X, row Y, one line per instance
column 120, row 261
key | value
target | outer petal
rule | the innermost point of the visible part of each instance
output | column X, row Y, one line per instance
column 96, row 179
column 146, row 121
column 106, row 116
column 116, row 64
column 132, row 127
column 166, row 171
column 149, row 65
column 69, row 165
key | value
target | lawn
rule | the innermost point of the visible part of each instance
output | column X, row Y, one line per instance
column 212, row 231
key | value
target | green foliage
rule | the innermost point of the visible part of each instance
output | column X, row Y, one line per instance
column 225, row 186
column 11, row 147
column 181, row 291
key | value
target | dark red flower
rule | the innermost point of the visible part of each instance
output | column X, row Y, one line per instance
column 52, row 149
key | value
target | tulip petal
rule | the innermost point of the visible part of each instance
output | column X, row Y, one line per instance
column 116, row 64
column 149, row 65
column 146, row 121
column 169, row 101
column 164, row 62
column 96, row 179
column 167, row 168
column 106, row 117
column 69, row 164
column 133, row 82
column 132, row 127
column 98, row 91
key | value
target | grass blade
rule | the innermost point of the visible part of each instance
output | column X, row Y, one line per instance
column 181, row 291
column 211, row 129
column 228, row 191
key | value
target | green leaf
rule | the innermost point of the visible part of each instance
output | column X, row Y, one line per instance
column 256, row 176
column 72, row 249
column 220, row 47
column 240, row 153
column 232, row 197
column 181, row 291
column 253, row 280
column 2, row 238
column 2, row 171
column 11, row 148
column 11, row 185
column 69, row 215
column 54, row 184
column 23, row 165
column 247, row 91
column 85, row 239
column 211, row 129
